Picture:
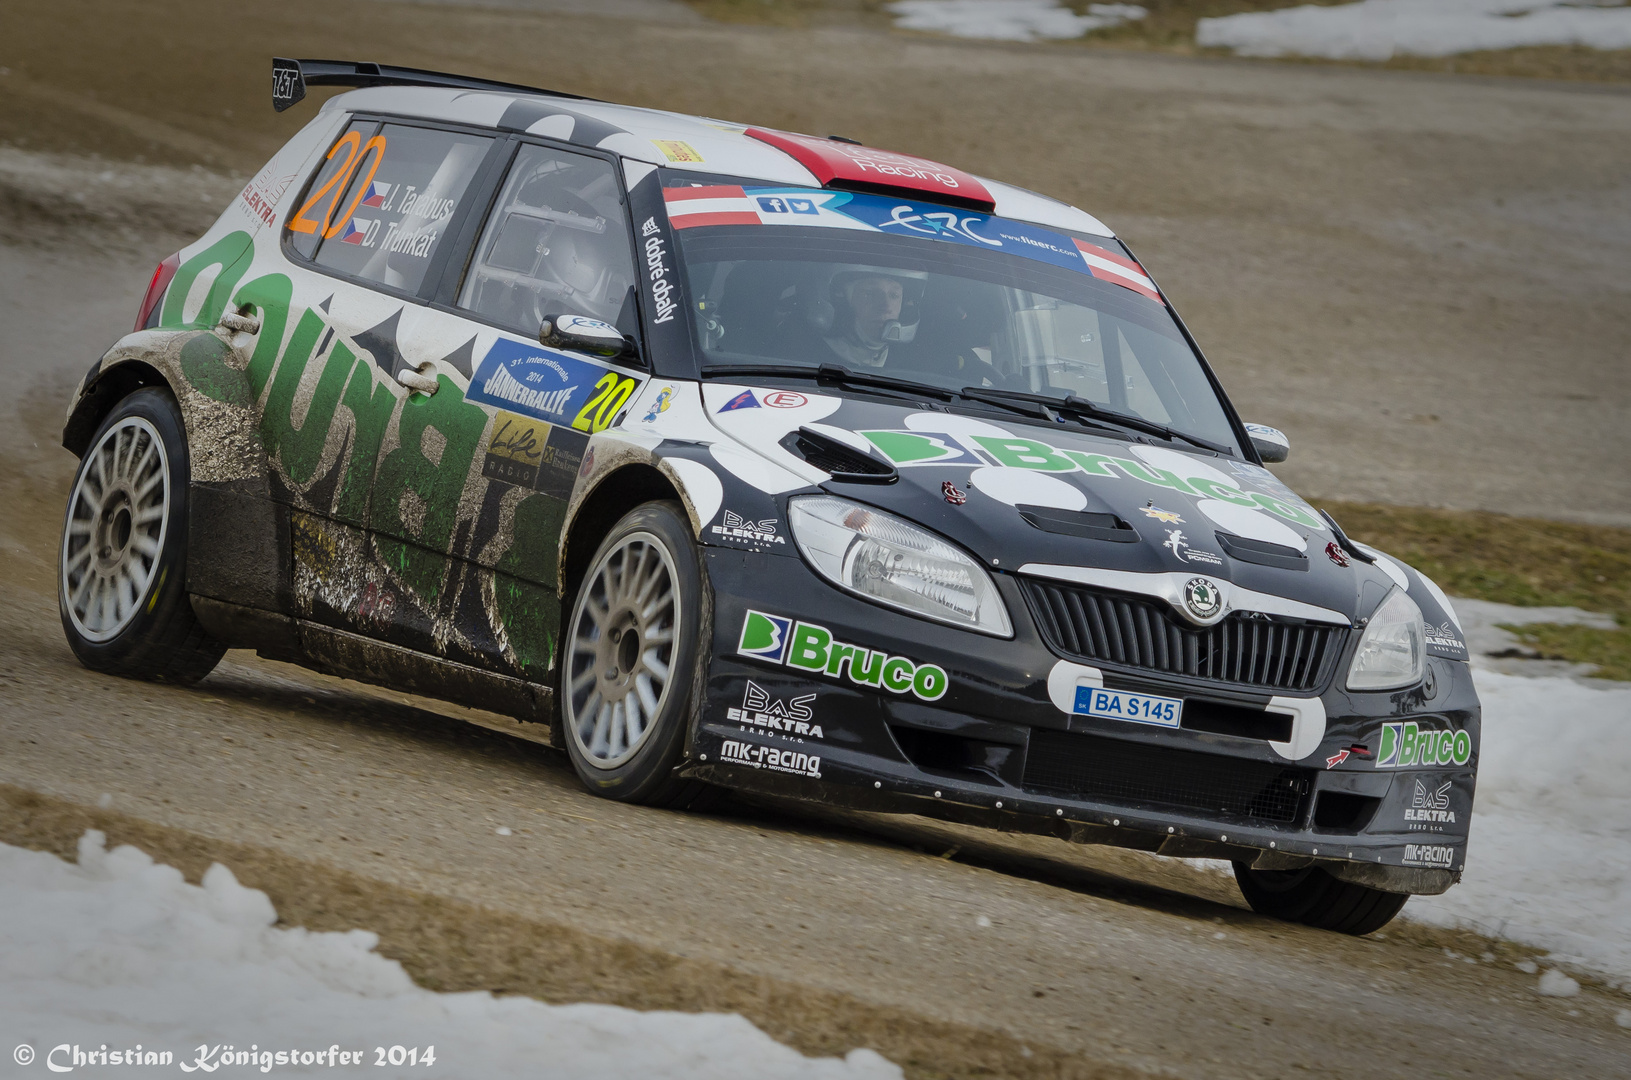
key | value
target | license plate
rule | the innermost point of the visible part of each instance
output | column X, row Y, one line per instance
column 1123, row 705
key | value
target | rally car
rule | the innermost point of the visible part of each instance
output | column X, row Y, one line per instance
column 755, row 460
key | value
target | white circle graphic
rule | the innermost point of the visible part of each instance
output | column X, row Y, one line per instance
column 1026, row 487
column 1250, row 523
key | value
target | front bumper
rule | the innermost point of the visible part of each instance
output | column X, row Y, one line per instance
column 993, row 748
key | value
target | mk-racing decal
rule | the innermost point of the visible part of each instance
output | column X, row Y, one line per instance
column 808, row 647
column 909, row 448
column 725, row 204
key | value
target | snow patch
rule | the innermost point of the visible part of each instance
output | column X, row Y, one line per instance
column 1008, row 20
column 121, row 950
column 1382, row 29
column 1549, row 857
column 1556, row 984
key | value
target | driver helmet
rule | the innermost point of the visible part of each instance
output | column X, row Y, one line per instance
column 836, row 314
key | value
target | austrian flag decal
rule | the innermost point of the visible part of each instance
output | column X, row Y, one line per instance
column 1109, row 266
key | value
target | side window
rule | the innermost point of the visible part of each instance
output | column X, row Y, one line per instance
column 316, row 212
column 390, row 203
column 556, row 244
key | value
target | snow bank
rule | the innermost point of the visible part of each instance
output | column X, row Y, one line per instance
column 1008, row 20
column 119, row 951
column 1381, row 29
column 1549, row 857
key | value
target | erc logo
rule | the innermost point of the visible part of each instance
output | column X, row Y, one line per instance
column 808, row 647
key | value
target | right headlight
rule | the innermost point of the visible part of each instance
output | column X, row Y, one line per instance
column 1393, row 649
column 891, row 561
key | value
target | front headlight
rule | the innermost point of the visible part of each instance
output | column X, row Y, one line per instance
column 890, row 560
column 1393, row 650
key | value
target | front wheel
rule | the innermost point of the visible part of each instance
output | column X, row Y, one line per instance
column 1313, row 897
column 630, row 659
column 122, row 567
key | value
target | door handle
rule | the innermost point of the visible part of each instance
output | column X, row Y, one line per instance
column 239, row 323
column 416, row 380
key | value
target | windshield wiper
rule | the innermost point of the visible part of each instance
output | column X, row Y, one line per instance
column 1081, row 406
column 830, row 373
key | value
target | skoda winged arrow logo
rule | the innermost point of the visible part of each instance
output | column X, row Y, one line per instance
column 1203, row 598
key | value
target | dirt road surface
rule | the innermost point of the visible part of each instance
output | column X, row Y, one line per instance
column 950, row 950
column 1419, row 278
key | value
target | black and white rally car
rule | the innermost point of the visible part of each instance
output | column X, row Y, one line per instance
column 752, row 459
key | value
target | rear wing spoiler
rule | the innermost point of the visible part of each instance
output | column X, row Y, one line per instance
column 291, row 77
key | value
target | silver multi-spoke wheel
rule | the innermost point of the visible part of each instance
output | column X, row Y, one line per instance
column 115, row 532
column 620, row 653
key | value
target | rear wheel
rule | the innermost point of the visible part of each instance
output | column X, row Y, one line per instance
column 1313, row 897
column 122, row 570
column 630, row 660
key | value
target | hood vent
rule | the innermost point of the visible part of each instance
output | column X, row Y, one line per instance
column 845, row 463
column 1079, row 523
column 1262, row 553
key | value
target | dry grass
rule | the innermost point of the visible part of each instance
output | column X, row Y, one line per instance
column 1515, row 560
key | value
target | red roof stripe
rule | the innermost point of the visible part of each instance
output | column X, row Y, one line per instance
column 839, row 165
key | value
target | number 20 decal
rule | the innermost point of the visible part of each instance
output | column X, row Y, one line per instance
column 336, row 185
column 612, row 392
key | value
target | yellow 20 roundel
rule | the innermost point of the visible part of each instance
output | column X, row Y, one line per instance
column 612, row 392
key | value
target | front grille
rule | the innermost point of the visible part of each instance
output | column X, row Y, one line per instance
column 1133, row 631
column 1134, row 774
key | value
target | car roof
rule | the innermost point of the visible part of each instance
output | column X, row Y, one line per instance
column 721, row 147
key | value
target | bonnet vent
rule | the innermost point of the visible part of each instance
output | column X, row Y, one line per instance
column 1261, row 552
column 845, row 463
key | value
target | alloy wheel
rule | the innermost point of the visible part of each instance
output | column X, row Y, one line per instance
column 118, row 514
column 620, row 654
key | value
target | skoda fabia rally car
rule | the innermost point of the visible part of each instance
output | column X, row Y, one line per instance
column 747, row 459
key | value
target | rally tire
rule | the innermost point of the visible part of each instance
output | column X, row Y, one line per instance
column 122, row 564
column 1313, row 897
column 631, row 654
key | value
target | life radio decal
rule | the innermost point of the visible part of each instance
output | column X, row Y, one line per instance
column 804, row 646
column 530, row 453
column 729, row 204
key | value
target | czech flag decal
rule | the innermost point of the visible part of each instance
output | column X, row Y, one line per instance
column 356, row 231
column 378, row 193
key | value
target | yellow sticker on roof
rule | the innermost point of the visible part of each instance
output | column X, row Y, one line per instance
column 677, row 151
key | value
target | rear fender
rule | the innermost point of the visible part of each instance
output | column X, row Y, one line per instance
column 238, row 537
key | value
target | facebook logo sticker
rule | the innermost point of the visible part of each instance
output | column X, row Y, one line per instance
column 771, row 204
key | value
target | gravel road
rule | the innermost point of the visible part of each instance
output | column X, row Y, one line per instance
column 1421, row 279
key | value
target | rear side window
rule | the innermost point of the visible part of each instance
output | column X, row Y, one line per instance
column 556, row 243
column 381, row 204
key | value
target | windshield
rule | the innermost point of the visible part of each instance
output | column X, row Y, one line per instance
column 949, row 299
